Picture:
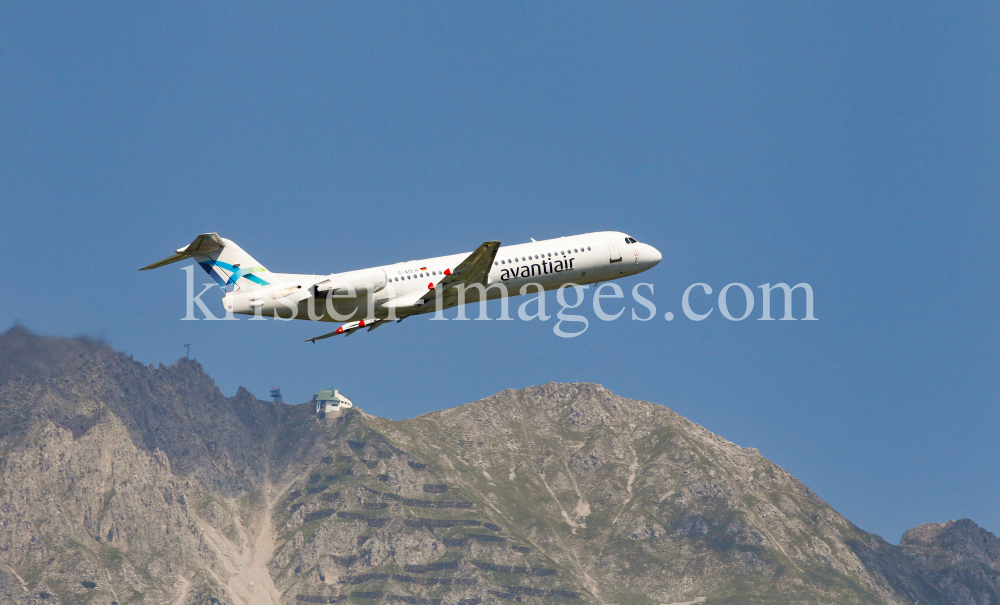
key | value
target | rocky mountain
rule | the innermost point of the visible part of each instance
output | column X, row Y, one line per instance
column 959, row 558
column 125, row 483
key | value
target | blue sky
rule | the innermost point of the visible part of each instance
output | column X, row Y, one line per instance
column 853, row 146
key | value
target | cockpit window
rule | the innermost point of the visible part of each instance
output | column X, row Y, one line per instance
column 630, row 240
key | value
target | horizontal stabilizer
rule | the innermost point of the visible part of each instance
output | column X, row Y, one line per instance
column 202, row 245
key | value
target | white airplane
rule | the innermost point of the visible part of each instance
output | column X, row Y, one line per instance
column 373, row 297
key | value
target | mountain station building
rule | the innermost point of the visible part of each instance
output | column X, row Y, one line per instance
column 330, row 401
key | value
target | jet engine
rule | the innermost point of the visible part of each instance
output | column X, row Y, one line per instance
column 356, row 284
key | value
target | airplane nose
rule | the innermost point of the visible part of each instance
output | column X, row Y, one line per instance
column 654, row 256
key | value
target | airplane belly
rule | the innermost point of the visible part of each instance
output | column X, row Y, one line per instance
column 334, row 309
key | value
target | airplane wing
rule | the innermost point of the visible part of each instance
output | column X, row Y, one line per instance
column 350, row 328
column 474, row 269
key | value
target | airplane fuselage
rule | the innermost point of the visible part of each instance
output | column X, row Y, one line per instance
column 377, row 292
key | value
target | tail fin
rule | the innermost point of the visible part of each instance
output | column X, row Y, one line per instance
column 227, row 263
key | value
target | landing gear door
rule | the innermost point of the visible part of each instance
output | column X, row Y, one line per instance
column 616, row 256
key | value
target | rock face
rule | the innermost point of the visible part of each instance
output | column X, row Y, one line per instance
column 959, row 558
column 110, row 469
column 125, row 483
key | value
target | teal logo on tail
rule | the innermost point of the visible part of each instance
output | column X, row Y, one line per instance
column 212, row 267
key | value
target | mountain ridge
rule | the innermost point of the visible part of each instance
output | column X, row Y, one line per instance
column 150, row 484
